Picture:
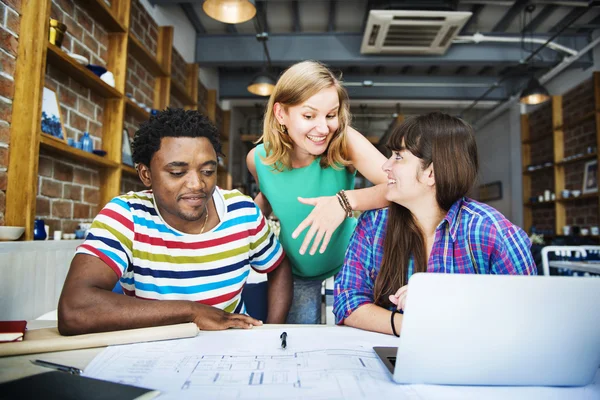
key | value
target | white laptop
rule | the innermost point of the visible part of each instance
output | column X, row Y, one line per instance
column 498, row 330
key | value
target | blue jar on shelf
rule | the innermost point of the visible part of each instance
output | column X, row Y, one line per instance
column 39, row 230
column 87, row 144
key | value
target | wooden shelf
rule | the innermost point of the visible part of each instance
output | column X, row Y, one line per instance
column 136, row 110
column 129, row 170
column 571, row 199
column 536, row 140
column 526, row 172
column 590, row 156
column 576, row 121
column 81, row 74
column 103, row 14
column 139, row 51
column 540, row 203
column 181, row 93
column 59, row 146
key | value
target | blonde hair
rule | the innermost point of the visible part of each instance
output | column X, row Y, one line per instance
column 297, row 84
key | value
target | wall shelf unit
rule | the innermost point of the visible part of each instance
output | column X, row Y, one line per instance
column 79, row 73
column 575, row 135
column 35, row 53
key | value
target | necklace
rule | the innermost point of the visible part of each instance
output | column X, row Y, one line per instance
column 205, row 220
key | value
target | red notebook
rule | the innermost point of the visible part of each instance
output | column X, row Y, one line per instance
column 12, row 331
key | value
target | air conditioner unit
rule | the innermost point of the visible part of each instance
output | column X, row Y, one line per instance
column 411, row 32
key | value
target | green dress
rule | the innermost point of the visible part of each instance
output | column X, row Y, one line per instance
column 282, row 190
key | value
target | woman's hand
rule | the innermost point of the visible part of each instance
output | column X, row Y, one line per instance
column 399, row 298
column 324, row 219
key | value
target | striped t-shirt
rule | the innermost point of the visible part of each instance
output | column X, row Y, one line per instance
column 155, row 261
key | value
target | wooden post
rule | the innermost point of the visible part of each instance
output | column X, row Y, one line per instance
column 191, row 82
column 24, row 148
column 162, row 85
column 559, row 154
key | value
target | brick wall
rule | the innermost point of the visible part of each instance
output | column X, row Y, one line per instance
column 9, row 33
column 583, row 212
column 174, row 102
column 544, row 217
column 143, row 27
column 140, row 82
column 540, row 122
column 178, row 68
column 578, row 102
column 68, row 193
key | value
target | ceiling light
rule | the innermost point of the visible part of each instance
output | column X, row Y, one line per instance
column 534, row 93
column 262, row 84
column 230, row 11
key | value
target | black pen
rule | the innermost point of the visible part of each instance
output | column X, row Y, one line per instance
column 60, row 367
column 283, row 337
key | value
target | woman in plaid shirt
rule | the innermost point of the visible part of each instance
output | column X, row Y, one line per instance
column 430, row 226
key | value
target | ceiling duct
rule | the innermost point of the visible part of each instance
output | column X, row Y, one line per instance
column 411, row 31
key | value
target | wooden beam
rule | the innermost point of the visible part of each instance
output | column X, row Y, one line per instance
column 211, row 105
column 559, row 155
column 162, row 84
column 24, row 148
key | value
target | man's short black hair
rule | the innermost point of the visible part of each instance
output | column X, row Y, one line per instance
column 172, row 122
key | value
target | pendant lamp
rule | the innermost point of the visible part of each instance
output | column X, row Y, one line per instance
column 534, row 93
column 230, row 11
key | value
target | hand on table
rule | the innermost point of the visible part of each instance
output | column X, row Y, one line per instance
column 209, row 318
column 323, row 221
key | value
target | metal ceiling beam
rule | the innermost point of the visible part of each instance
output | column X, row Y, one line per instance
column 344, row 49
column 406, row 69
column 475, row 10
column 568, row 19
column 232, row 85
column 433, row 69
column 261, row 15
column 230, row 28
column 296, row 16
column 331, row 18
column 540, row 18
column 510, row 15
column 461, row 70
column 590, row 26
column 191, row 15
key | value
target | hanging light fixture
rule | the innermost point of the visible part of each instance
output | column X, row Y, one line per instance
column 534, row 93
column 263, row 83
column 230, row 11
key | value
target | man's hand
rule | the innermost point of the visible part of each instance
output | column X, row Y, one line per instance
column 323, row 221
column 209, row 318
column 399, row 298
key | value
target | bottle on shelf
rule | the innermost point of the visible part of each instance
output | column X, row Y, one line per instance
column 87, row 144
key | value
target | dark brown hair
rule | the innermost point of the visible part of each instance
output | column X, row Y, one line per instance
column 449, row 144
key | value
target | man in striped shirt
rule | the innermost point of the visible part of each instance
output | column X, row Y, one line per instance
column 185, row 242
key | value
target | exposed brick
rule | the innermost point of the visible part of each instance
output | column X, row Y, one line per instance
column 81, row 211
column 66, row 5
column 14, row 4
column 42, row 206
column 86, row 108
column 7, row 87
column 56, row 13
column 53, row 225
column 51, row 188
column 63, row 172
column 4, row 133
column 62, row 209
column 51, row 84
column 77, row 121
column 79, row 49
column 13, row 21
column 7, row 65
column 67, row 97
column 90, row 42
column 45, row 166
column 82, row 177
column 3, row 157
column 72, row 192
column 91, row 195
column 84, row 20
column 3, row 180
column 8, row 42
column 95, row 129
column 2, row 205
column 74, row 30
column 5, row 112
column 69, row 226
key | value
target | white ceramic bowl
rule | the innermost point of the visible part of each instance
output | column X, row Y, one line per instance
column 11, row 232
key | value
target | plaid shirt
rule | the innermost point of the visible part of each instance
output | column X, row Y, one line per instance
column 471, row 231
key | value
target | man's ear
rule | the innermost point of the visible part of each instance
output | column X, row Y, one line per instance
column 144, row 174
column 279, row 113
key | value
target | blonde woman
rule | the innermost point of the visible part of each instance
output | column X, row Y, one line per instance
column 305, row 170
